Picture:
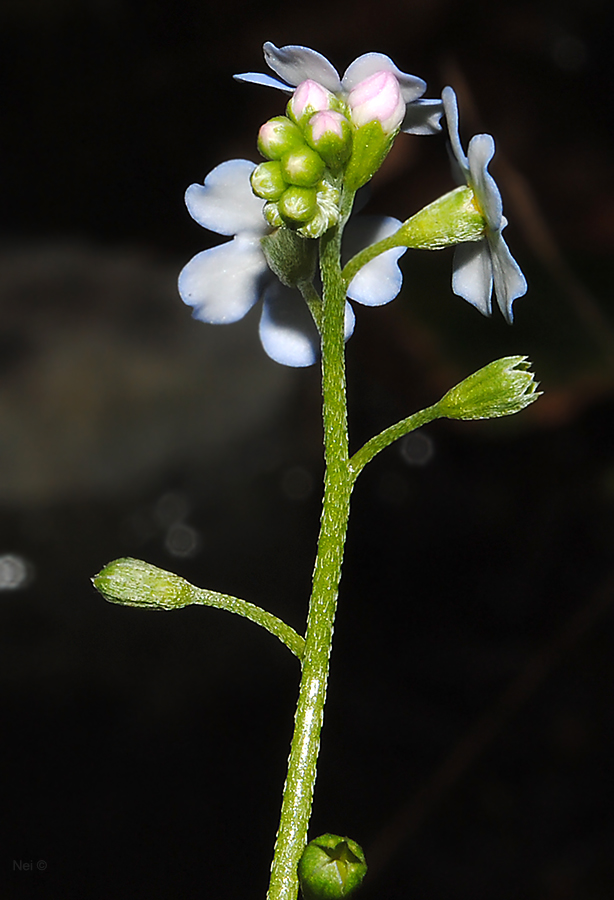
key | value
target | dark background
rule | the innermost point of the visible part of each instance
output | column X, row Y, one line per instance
column 469, row 733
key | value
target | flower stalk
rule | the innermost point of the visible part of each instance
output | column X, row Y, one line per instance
column 338, row 483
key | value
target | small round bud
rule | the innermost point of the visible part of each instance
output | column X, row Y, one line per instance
column 331, row 868
column 278, row 136
column 309, row 98
column 303, row 167
column 267, row 181
column 298, row 205
column 329, row 133
column 272, row 215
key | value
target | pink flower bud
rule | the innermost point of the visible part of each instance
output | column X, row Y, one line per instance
column 309, row 98
column 377, row 98
column 327, row 121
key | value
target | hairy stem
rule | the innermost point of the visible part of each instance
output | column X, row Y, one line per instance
column 338, row 481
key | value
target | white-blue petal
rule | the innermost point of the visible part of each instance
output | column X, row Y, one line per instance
column 349, row 321
column 295, row 64
column 450, row 106
column 368, row 64
column 472, row 276
column 223, row 283
column 510, row 283
column 379, row 281
column 480, row 152
column 266, row 80
column 423, row 117
column 225, row 203
column 287, row 331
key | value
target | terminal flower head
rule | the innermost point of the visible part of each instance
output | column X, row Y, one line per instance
column 480, row 265
column 296, row 65
column 223, row 283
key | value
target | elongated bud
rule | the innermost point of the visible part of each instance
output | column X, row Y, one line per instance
column 331, row 868
column 370, row 147
column 279, row 136
column 309, row 98
column 501, row 388
column 451, row 219
column 132, row 582
column 377, row 98
column 329, row 133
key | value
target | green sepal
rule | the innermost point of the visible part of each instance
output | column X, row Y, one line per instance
column 291, row 257
column 370, row 147
column 452, row 219
column 501, row 388
column 334, row 150
column 331, row 868
column 327, row 213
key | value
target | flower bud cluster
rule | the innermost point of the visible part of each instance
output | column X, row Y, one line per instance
column 305, row 152
column 320, row 137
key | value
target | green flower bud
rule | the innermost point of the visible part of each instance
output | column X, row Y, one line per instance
column 272, row 215
column 279, row 136
column 329, row 133
column 451, row 219
column 267, row 181
column 298, row 205
column 370, row 148
column 132, row 582
column 327, row 210
column 302, row 167
column 331, row 868
column 501, row 388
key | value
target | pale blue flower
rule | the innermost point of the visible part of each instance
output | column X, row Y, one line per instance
column 479, row 265
column 223, row 283
column 295, row 64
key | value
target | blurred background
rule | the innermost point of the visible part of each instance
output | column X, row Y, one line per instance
column 469, row 735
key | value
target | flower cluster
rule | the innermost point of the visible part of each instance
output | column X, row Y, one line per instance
column 334, row 136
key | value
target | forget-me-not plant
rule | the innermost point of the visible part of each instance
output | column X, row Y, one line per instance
column 296, row 245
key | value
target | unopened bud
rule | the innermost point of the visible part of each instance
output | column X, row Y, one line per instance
column 329, row 133
column 309, row 98
column 377, row 98
column 331, row 868
column 303, row 167
column 298, row 205
column 267, row 181
column 132, row 582
column 501, row 388
column 278, row 136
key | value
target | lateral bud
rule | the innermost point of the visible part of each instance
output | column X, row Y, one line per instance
column 331, row 868
column 133, row 582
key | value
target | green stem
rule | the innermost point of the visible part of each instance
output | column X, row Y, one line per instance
column 338, row 482
column 366, row 453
